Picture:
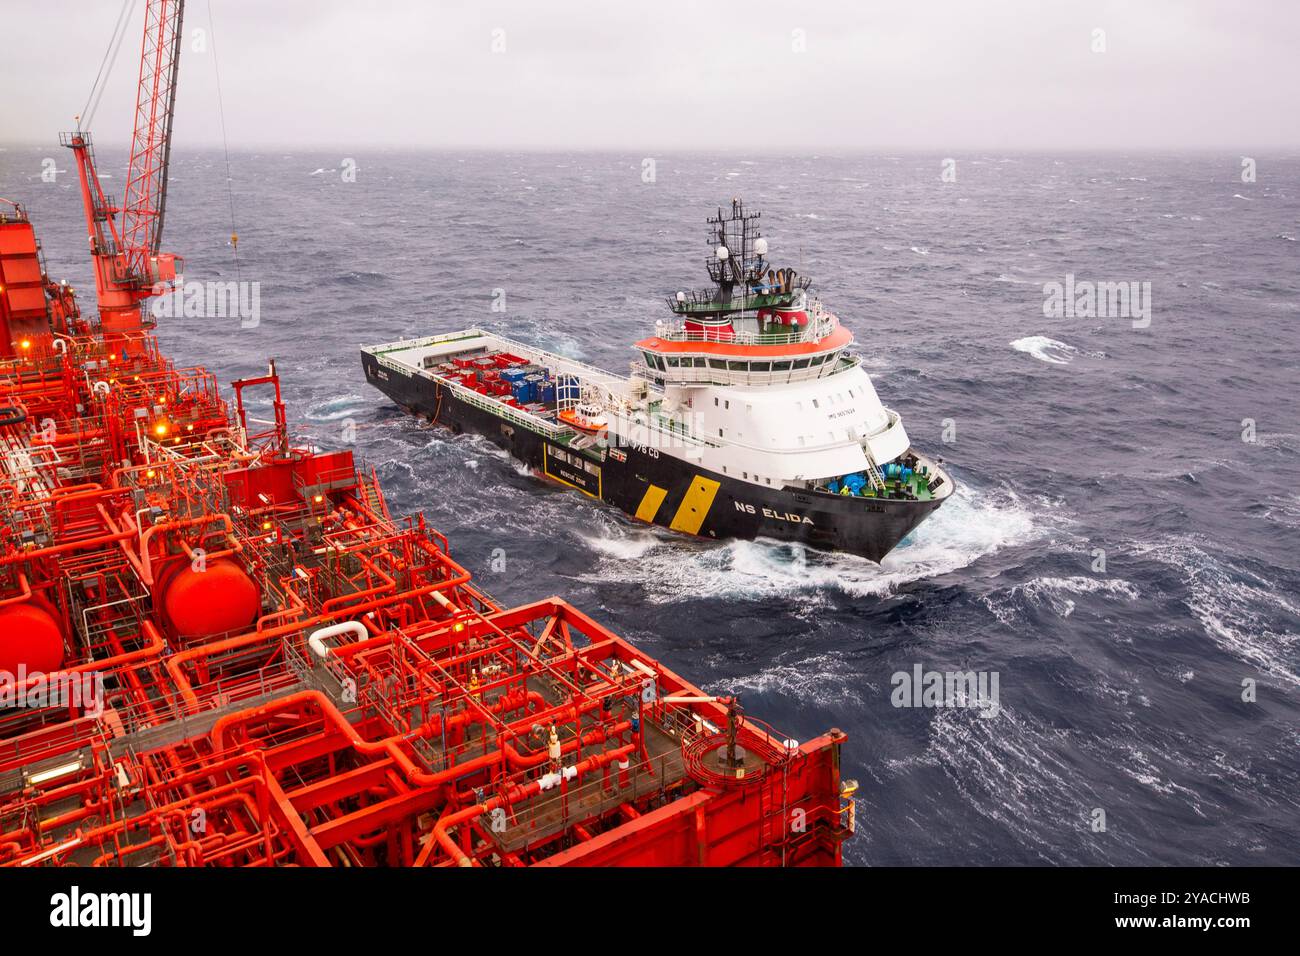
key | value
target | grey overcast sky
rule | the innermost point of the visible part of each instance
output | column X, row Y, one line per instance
column 794, row 77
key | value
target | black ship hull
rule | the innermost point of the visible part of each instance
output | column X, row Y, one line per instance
column 659, row 488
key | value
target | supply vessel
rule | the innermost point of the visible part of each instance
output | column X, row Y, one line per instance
column 745, row 415
column 219, row 648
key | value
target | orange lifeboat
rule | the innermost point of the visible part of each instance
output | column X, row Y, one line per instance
column 585, row 417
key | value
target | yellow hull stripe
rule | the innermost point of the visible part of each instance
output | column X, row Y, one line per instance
column 649, row 507
column 695, row 505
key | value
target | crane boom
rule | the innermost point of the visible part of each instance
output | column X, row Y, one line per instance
column 155, row 104
column 125, row 240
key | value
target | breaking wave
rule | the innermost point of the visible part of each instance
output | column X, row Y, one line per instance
column 1046, row 350
column 1054, row 593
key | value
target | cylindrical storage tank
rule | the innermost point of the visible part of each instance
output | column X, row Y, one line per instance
column 218, row 599
column 30, row 637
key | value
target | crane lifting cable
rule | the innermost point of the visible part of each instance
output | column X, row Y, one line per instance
column 225, row 145
column 110, row 58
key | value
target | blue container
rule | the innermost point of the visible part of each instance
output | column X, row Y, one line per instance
column 524, row 392
column 513, row 374
column 546, row 394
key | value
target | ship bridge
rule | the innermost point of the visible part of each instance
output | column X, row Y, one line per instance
column 746, row 350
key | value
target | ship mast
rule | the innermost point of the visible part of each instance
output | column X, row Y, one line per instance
column 743, row 279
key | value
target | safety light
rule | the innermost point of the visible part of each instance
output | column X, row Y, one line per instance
column 53, row 773
column 25, row 343
column 160, row 429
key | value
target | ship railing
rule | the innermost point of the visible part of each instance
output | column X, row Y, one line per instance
column 561, row 363
column 494, row 407
column 760, row 296
column 317, row 672
column 402, row 345
column 535, row 818
column 333, row 479
column 709, row 374
column 148, row 725
column 589, row 374
column 822, row 325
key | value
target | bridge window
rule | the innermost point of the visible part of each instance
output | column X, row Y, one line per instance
column 738, row 366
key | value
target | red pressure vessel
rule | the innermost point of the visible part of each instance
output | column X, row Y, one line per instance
column 29, row 635
column 213, row 601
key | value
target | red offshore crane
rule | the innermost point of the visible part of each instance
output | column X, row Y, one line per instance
column 125, row 240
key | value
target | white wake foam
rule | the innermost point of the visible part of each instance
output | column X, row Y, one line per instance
column 1045, row 349
column 969, row 526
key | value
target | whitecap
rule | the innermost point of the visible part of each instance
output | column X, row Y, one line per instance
column 821, row 679
column 1237, row 609
column 1045, row 349
column 1053, row 592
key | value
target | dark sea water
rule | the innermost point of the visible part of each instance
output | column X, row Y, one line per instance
column 1120, row 691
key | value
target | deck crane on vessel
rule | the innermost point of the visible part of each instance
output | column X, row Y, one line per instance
column 125, row 240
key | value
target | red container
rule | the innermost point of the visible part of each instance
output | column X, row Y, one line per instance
column 463, row 363
column 505, row 360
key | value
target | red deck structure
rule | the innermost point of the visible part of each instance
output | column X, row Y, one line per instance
column 370, row 706
column 218, row 648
